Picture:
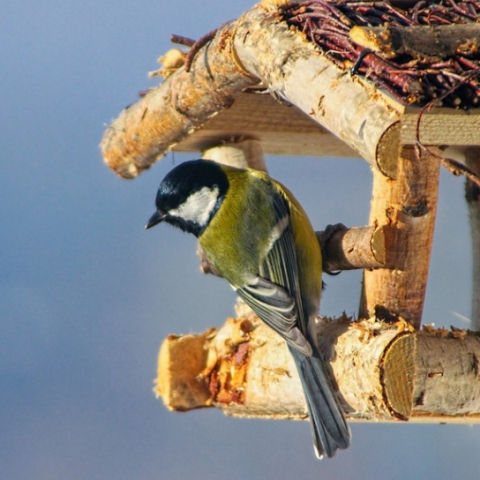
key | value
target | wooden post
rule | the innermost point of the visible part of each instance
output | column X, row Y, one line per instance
column 472, row 195
column 407, row 203
column 244, row 153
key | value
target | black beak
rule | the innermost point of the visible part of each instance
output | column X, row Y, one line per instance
column 155, row 219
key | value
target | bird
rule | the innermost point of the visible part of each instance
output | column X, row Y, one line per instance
column 257, row 236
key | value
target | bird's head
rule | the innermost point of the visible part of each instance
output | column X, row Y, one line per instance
column 190, row 195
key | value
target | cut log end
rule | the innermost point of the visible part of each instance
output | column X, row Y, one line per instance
column 388, row 151
column 180, row 363
column 397, row 374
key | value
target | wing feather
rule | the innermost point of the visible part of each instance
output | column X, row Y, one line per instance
column 276, row 298
column 275, row 293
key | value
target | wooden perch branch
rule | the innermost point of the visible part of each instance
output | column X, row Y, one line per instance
column 419, row 41
column 255, row 47
column 361, row 247
column 350, row 249
column 383, row 372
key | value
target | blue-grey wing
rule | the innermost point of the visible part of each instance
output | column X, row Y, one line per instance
column 277, row 309
column 274, row 294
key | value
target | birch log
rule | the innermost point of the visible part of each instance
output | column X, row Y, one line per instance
column 240, row 154
column 293, row 69
column 383, row 372
column 407, row 204
column 149, row 128
column 360, row 247
column 472, row 195
column 256, row 47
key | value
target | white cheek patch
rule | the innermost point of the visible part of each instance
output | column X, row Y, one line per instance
column 198, row 206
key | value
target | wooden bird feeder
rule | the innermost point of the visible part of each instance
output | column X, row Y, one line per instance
column 396, row 84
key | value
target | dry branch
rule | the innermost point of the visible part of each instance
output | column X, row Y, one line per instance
column 383, row 372
column 420, row 41
column 336, row 27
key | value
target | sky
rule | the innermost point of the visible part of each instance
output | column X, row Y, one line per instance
column 87, row 295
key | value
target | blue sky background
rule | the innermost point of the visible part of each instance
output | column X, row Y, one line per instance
column 87, row 295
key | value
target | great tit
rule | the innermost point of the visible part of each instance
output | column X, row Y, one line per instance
column 257, row 236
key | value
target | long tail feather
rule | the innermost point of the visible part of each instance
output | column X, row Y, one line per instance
column 330, row 429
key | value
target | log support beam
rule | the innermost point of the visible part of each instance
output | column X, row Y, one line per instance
column 407, row 204
column 472, row 196
column 384, row 372
column 257, row 49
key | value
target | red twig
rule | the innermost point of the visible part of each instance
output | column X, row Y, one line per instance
column 196, row 47
column 409, row 79
column 180, row 40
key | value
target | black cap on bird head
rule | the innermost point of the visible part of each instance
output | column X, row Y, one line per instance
column 190, row 195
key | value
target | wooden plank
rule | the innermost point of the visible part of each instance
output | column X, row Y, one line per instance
column 441, row 126
column 286, row 130
column 283, row 130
